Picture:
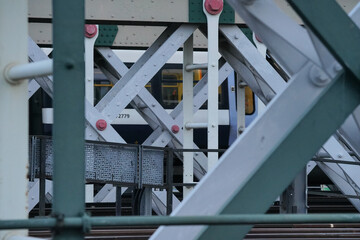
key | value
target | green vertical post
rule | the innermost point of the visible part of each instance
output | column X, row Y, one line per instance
column 69, row 120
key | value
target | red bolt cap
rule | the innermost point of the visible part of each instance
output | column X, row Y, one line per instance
column 214, row 6
column 175, row 128
column 258, row 38
column 90, row 30
column 101, row 124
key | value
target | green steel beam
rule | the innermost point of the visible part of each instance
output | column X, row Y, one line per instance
column 107, row 35
column 79, row 222
column 69, row 111
column 334, row 28
column 326, row 114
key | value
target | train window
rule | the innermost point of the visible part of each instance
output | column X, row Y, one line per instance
column 249, row 101
column 172, row 87
column 100, row 89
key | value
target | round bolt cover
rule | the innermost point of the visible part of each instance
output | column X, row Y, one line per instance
column 101, row 124
column 258, row 38
column 90, row 30
column 214, row 6
column 175, row 128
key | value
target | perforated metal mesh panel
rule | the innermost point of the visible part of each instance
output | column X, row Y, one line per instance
column 111, row 162
column 152, row 167
column 105, row 162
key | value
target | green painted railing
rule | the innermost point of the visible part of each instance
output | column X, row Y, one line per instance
column 87, row 222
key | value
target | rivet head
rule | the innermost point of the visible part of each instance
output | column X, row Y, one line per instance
column 214, row 7
column 101, row 124
column 175, row 128
column 319, row 77
column 337, row 67
column 90, row 30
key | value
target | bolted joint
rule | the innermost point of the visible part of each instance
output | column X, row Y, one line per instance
column 214, row 7
column 6, row 74
column 175, row 128
column 86, row 220
column 319, row 77
column 101, row 124
column 90, row 30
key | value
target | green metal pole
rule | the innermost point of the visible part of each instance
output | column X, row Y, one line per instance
column 334, row 28
column 69, row 120
column 241, row 219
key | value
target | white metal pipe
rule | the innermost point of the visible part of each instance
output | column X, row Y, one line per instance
column 191, row 125
column 29, row 70
column 14, row 139
column 191, row 67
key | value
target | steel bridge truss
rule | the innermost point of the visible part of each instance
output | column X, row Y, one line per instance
column 313, row 71
column 303, row 115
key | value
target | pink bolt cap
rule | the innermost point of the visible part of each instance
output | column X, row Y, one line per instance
column 175, row 128
column 214, row 6
column 90, row 30
column 101, row 124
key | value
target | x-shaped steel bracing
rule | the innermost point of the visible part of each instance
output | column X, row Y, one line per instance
column 263, row 80
column 307, row 103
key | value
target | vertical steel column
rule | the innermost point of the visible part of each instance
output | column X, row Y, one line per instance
column 69, row 110
column 169, row 181
column 14, row 115
column 213, row 78
column 42, row 182
column 118, row 201
column 294, row 198
column 240, row 104
column 188, row 102
column 91, row 34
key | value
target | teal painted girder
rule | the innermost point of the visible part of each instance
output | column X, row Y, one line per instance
column 69, row 113
column 334, row 28
column 292, row 154
column 107, row 35
column 325, row 115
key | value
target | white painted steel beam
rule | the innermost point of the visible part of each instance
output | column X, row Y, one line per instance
column 14, row 117
column 146, row 99
column 188, row 102
column 91, row 114
column 143, row 70
column 144, row 103
column 300, row 94
column 169, row 120
column 273, row 84
column 33, row 192
column 213, row 91
column 152, row 12
column 252, row 67
column 89, row 66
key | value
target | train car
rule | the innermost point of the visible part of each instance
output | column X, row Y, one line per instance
column 166, row 86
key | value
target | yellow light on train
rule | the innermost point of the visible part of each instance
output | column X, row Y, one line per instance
column 249, row 101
